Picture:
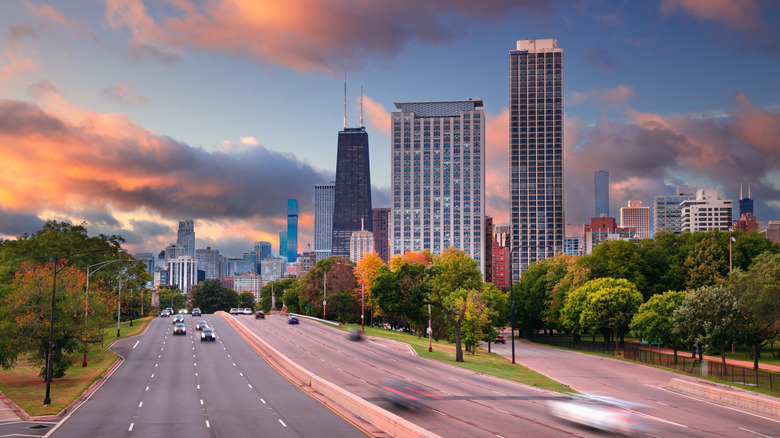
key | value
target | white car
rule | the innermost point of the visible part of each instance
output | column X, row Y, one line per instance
column 246, row 311
column 603, row 413
column 235, row 311
column 183, row 311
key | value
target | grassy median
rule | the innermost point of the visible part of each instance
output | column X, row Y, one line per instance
column 27, row 389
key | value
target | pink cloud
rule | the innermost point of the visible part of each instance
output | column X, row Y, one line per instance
column 48, row 13
column 496, row 167
column 739, row 14
column 124, row 93
column 378, row 117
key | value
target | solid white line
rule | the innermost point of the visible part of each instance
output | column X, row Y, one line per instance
column 439, row 412
column 130, row 429
column 715, row 404
column 280, row 420
column 136, row 344
column 757, row 433
column 140, row 404
column 208, row 426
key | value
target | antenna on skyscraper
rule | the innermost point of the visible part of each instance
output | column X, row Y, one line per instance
column 740, row 189
column 345, row 99
column 749, row 195
column 361, row 106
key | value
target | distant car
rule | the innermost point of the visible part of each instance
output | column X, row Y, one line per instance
column 354, row 334
column 196, row 312
column 208, row 335
column 179, row 329
column 259, row 314
column 246, row 311
column 183, row 311
column 234, row 311
column 201, row 325
column 177, row 319
column 292, row 320
column 165, row 314
column 500, row 339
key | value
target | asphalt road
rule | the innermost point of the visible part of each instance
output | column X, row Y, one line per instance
column 460, row 403
column 179, row 386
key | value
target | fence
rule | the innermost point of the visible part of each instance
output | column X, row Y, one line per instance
column 571, row 343
column 732, row 373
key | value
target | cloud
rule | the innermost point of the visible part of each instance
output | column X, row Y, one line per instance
column 124, row 93
column 15, row 67
column 13, row 224
column 305, row 35
column 739, row 14
column 600, row 58
column 378, row 117
column 616, row 97
column 496, row 167
column 48, row 13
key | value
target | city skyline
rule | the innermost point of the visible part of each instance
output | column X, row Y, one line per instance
column 133, row 116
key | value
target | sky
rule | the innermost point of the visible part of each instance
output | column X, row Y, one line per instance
column 131, row 115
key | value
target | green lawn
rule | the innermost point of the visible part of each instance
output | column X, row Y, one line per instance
column 482, row 362
column 25, row 388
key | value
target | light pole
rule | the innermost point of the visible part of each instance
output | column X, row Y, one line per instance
column 325, row 291
column 731, row 239
column 512, row 300
column 118, row 306
column 86, row 305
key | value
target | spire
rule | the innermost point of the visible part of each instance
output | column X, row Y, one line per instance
column 740, row 189
column 749, row 195
column 361, row 106
column 345, row 99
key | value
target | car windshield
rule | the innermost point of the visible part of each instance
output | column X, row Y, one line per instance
column 179, row 324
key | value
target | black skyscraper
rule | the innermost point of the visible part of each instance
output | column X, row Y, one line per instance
column 352, row 199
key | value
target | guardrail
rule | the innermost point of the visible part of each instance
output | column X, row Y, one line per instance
column 298, row 315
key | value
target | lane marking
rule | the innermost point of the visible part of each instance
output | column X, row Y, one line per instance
column 198, row 386
column 136, row 344
column 155, row 365
column 439, row 412
column 130, row 429
column 757, row 433
column 140, row 404
column 152, row 375
column 499, row 393
column 201, row 401
column 208, row 426
column 280, row 420
column 714, row 404
column 241, row 374
column 250, row 386
column 147, row 388
column 234, row 364
column 452, row 378
column 262, row 400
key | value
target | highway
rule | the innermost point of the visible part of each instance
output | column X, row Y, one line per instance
column 460, row 403
column 179, row 386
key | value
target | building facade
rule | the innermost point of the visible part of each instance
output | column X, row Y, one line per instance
column 292, row 230
column 185, row 237
column 500, row 277
column 488, row 239
column 706, row 212
column 183, row 272
column 209, row 262
column 536, row 151
column 636, row 216
column 352, row 196
column 360, row 244
column 571, row 246
column 248, row 282
column 601, row 190
column 745, row 204
column 273, row 269
column 438, row 178
column 667, row 210
column 382, row 233
column 601, row 229
column 323, row 219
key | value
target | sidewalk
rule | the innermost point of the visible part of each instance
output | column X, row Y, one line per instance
column 735, row 362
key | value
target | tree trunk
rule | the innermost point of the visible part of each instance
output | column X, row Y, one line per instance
column 458, row 345
column 755, row 356
column 675, row 354
column 723, row 359
column 615, row 337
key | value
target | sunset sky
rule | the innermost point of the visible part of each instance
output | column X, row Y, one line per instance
column 130, row 115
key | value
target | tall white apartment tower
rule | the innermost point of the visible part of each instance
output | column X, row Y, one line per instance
column 438, row 178
column 183, row 272
column 636, row 216
column 185, row 237
column 706, row 212
column 323, row 219
column 536, row 152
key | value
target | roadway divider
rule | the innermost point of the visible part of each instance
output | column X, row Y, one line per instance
column 725, row 396
column 385, row 420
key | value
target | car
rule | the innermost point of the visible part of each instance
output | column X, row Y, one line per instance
column 183, row 311
column 170, row 310
column 178, row 319
column 234, row 311
column 179, row 329
column 354, row 334
column 196, row 312
column 259, row 314
column 201, row 325
column 165, row 314
column 600, row 412
column 208, row 335
column 246, row 311
column 292, row 320
column 500, row 339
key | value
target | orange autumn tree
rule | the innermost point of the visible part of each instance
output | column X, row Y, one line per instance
column 365, row 272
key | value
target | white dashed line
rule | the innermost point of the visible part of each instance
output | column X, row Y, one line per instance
column 262, row 401
column 439, row 412
column 140, row 404
column 280, row 420
column 250, row 386
column 452, row 378
column 754, row 432
column 208, row 426
column 136, row 344
column 147, row 388
column 130, row 429
column 499, row 393
column 241, row 374
column 152, row 375
column 198, row 386
column 201, row 401
column 234, row 364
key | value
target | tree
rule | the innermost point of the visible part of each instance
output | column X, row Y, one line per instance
column 171, row 295
column 706, row 263
column 655, row 319
column 211, row 297
column 477, row 318
column 326, row 281
column 618, row 259
column 611, row 303
column 710, row 316
column 758, row 289
column 400, row 293
column 366, row 271
column 568, row 275
column 748, row 246
column 247, row 299
column 278, row 289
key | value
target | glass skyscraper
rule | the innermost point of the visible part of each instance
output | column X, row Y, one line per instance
column 292, row 230
column 536, row 152
column 323, row 219
column 352, row 196
column 185, row 237
column 601, row 189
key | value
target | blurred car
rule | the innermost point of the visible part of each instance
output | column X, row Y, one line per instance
column 399, row 393
column 354, row 334
column 183, row 311
column 177, row 319
column 246, row 311
column 165, row 314
column 603, row 413
column 201, row 325
column 196, row 312
column 179, row 329
column 500, row 339
column 292, row 320
column 208, row 335
column 259, row 314
column 233, row 311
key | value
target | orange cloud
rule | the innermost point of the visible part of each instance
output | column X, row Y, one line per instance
column 496, row 167
column 46, row 12
column 378, row 117
column 16, row 67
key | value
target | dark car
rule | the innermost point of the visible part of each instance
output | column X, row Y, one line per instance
column 165, row 314
column 292, row 320
column 354, row 334
column 500, row 339
column 201, row 325
column 259, row 314
column 178, row 318
column 179, row 329
column 208, row 335
column 196, row 312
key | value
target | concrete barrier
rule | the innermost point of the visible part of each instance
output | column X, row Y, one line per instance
column 729, row 397
column 383, row 419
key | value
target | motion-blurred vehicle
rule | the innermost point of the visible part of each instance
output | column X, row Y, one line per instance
column 208, row 335
column 604, row 413
column 500, row 339
column 183, row 311
column 259, row 314
column 201, row 325
column 196, row 312
column 399, row 393
column 177, row 319
column 179, row 329
column 354, row 334
column 246, row 311
column 234, row 311
column 292, row 320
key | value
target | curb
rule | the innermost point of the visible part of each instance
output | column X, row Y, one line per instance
column 724, row 395
column 385, row 420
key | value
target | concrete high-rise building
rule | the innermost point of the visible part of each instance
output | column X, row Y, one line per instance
column 706, row 212
column 438, row 178
column 601, row 190
column 571, row 246
column 360, row 243
column 381, row 222
column 263, row 250
column 636, row 216
column 501, row 234
column 173, row 251
column 536, row 152
column 248, row 282
column 273, row 269
column 185, row 237
column 352, row 197
column 667, row 210
column 292, row 230
column 500, row 275
column 183, row 272
column 209, row 262
column 323, row 219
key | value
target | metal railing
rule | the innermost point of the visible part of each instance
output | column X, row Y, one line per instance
column 572, row 343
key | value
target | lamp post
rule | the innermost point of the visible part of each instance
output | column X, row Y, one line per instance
column 118, row 306
column 731, row 239
column 131, row 307
column 325, row 291
column 86, row 304
column 47, row 398
column 512, row 300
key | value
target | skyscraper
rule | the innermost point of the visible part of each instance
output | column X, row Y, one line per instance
column 382, row 233
column 601, row 189
column 438, row 178
column 536, row 151
column 706, row 212
column 323, row 219
column 185, row 237
column 667, row 211
column 209, row 262
column 636, row 216
column 292, row 230
column 745, row 204
column 352, row 196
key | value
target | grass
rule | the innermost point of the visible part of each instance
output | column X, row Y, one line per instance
column 25, row 388
column 482, row 362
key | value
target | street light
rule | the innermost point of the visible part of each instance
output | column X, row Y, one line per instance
column 512, row 299
column 80, row 254
column 86, row 305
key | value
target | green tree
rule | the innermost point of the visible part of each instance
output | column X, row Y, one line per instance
column 664, row 256
column 706, row 263
column 568, row 275
column 748, row 246
column 172, row 296
column 618, row 259
column 211, row 296
column 477, row 318
column 400, row 293
column 327, row 281
column 655, row 319
column 712, row 317
column 247, row 299
column 277, row 289
column 611, row 303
